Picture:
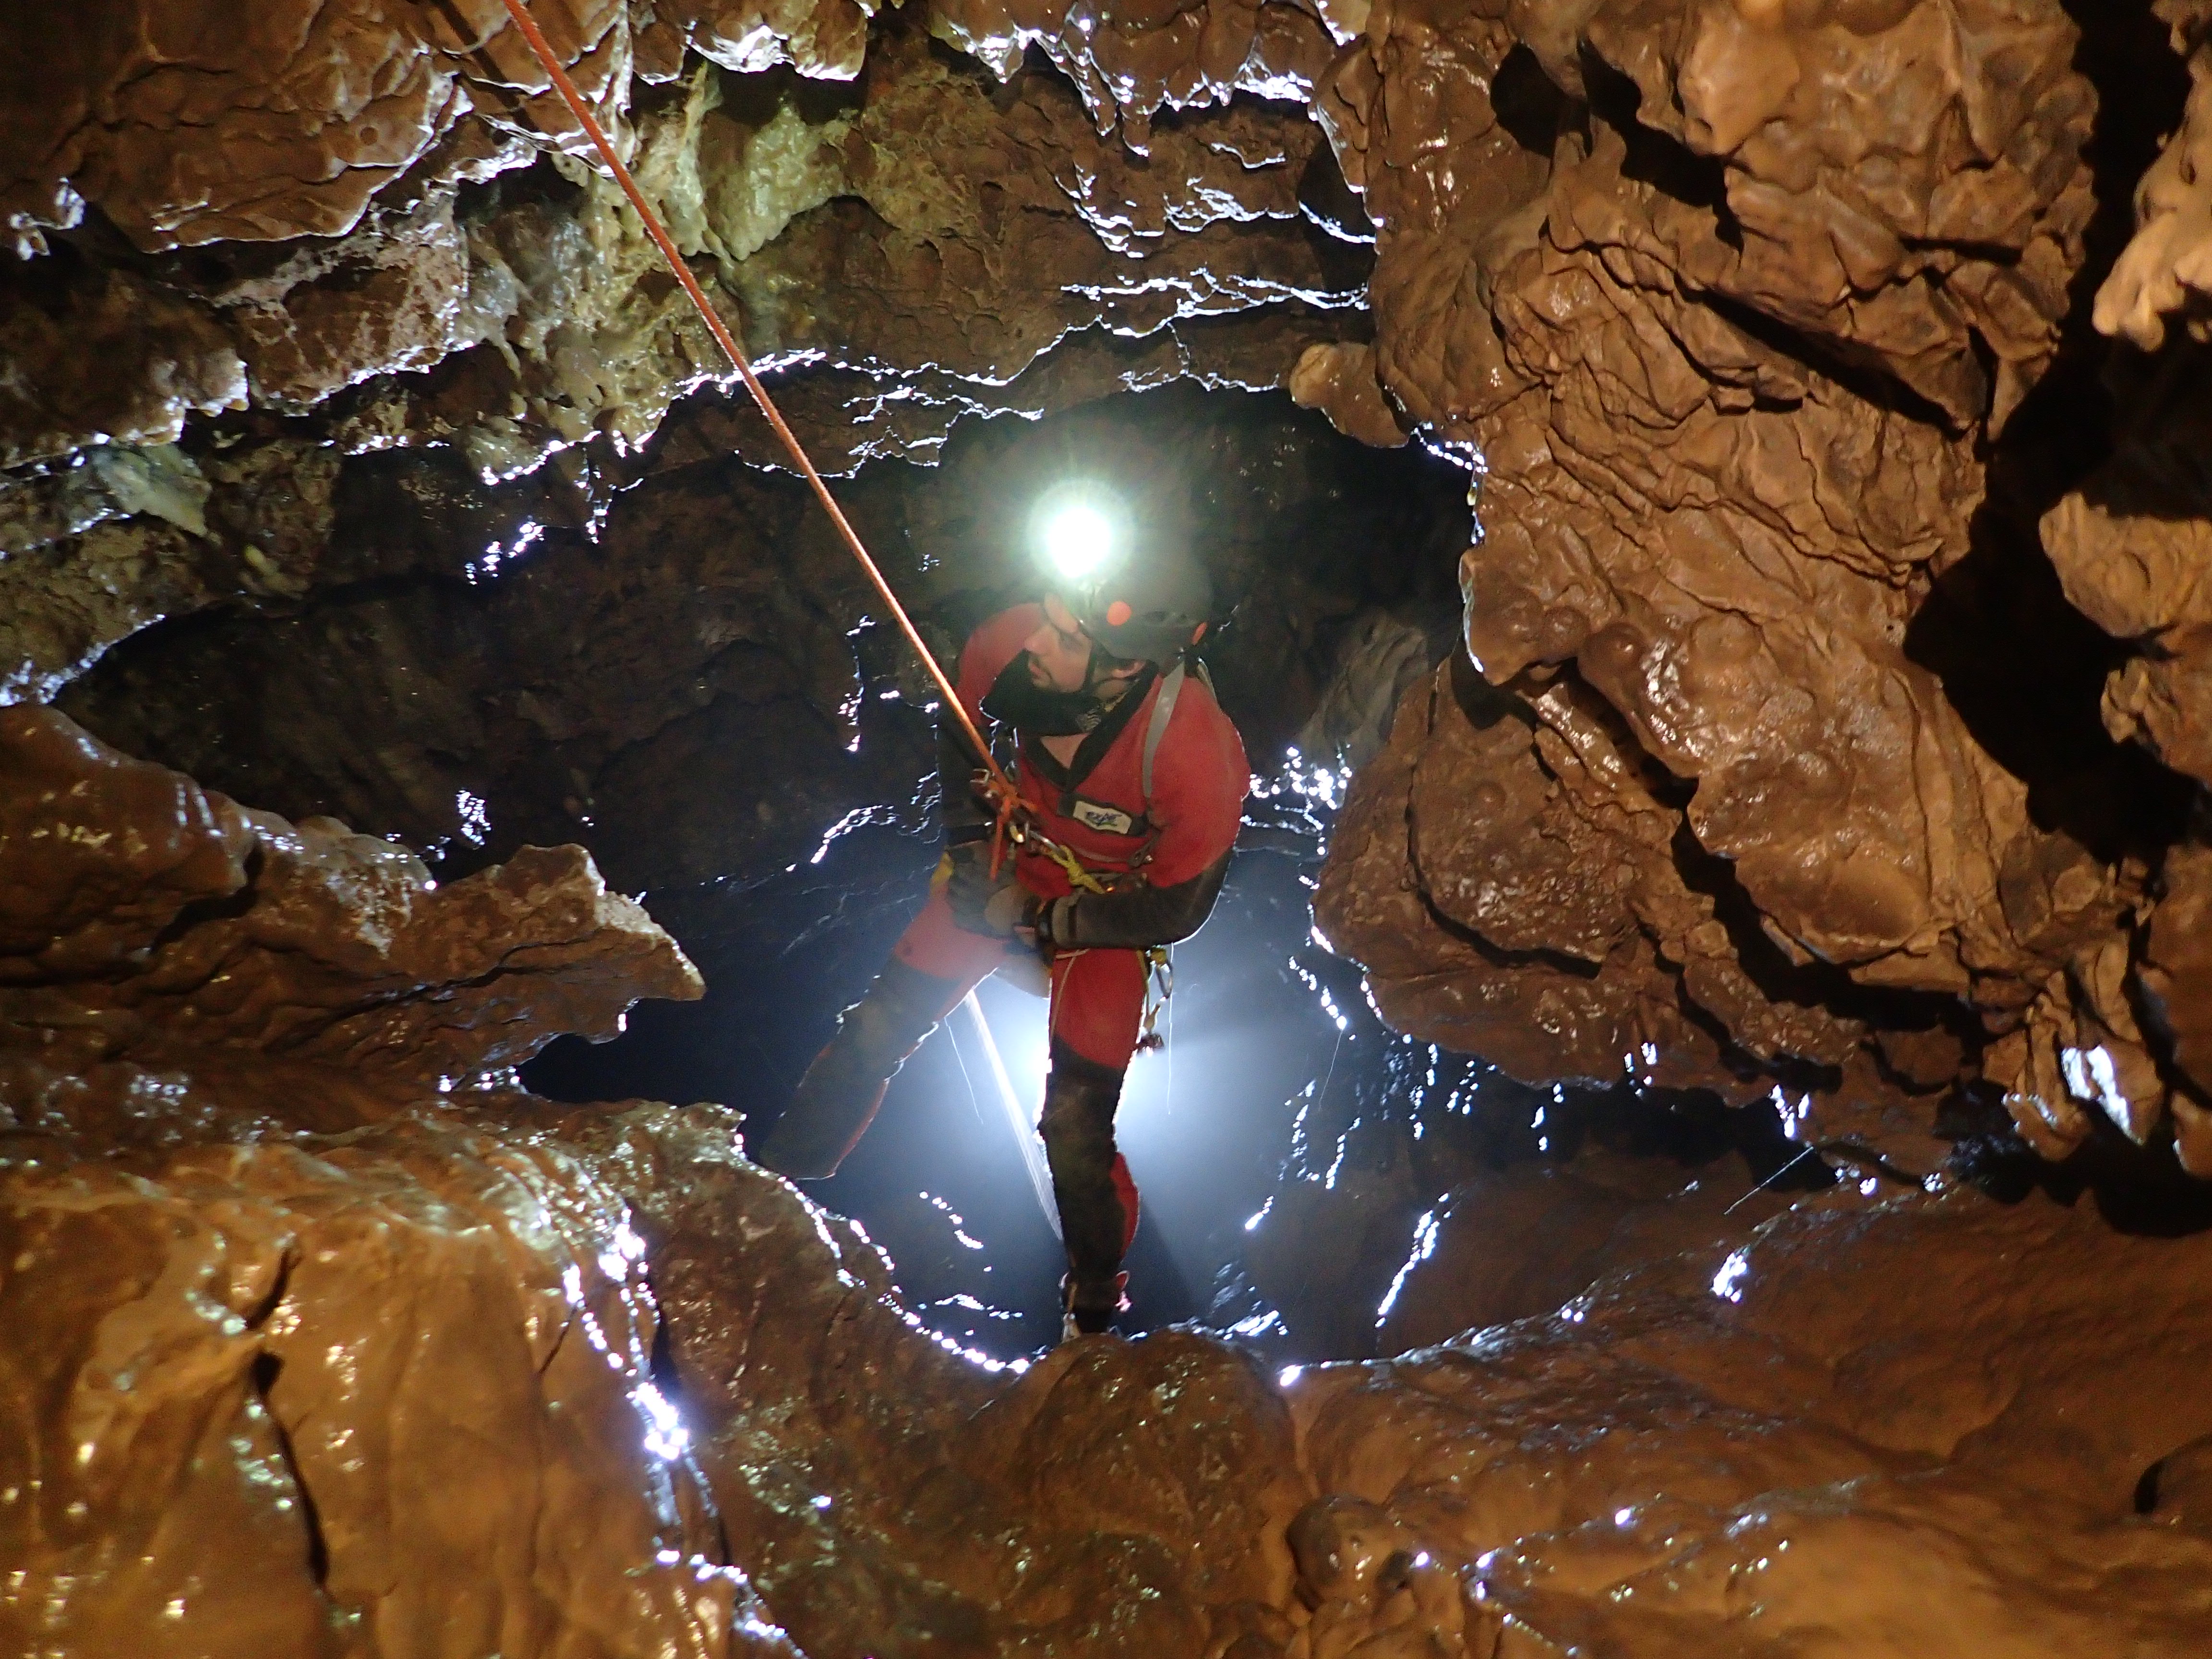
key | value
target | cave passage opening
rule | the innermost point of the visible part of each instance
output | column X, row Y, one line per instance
column 1335, row 571
column 1279, row 1089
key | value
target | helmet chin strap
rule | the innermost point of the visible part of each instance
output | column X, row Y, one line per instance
column 1094, row 676
column 1104, row 684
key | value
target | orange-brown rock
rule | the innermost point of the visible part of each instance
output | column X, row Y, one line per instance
column 148, row 920
column 2163, row 273
column 1339, row 380
column 388, row 1394
column 405, row 1376
column 1750, row 1449
column 300, row 1352
column 1727, row 329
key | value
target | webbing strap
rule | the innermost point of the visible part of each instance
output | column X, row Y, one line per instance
column 1163, row 708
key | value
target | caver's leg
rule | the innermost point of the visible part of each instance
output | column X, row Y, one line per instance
column 1098, row 1002
column 934, row 964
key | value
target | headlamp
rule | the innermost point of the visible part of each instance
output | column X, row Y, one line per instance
column 1080, row 532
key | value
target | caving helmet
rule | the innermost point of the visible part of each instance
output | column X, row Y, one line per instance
column 1150, row 608
column 1130, row 578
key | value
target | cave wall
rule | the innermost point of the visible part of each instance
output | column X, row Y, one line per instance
column 1830, row 720
column 1770, row 324
column 323, row 1338
column 685, row 690
column 471, row 297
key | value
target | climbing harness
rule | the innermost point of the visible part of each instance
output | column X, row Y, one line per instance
column 1080, row 875
column 998, row 787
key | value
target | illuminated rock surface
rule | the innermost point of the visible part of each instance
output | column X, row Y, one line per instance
column 1829, row 737
column 1748, row 308
column 1775, row 328
column 306, row 1354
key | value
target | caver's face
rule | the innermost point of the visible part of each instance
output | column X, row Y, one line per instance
column 1059, row 651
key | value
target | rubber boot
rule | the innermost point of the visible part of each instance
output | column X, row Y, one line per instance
column 837, row 1098
column 1098, row 1201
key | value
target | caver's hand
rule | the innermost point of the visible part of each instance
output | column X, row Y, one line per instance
column 969, row 885
column 1010, row 910
column 982, row 903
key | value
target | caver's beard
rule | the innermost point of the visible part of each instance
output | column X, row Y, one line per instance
column 1018, row 700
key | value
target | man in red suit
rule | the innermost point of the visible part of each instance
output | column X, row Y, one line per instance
column 1130, row 766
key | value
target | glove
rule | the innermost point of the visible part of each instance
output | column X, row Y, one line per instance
column 971, row 890
column 1012, row 908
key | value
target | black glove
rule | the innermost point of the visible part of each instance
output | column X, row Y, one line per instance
column 970, row 887
column 1011, row 908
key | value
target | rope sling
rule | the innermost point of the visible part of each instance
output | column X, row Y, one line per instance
column 1014, row 825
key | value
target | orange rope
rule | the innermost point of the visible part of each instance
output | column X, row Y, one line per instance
column 1000, row 787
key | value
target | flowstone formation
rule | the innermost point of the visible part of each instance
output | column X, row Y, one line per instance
column 1765, row 319
column 324, row 1339
column 1822, row 714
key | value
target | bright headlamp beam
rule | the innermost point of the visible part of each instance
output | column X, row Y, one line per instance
column 1079, row 539
column 1025, row 1136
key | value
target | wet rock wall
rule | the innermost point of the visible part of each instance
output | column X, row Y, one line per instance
column 388, row 1359
column 287, row 1369
column 917, row 237
column 1747, row 309
column 693, row 687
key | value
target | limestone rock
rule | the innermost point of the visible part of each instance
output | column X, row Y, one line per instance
column 1740, row 305
column 2175, row 965
column 148, row 919
column 388, row 1396
column 806, row 1464
column 1601, row 1555
column 1718, row 324
column 682, row 689
column 1532, row 1013
column 292, row 1362
column 1339, row 380
column 909, row 249
column 2168, row 268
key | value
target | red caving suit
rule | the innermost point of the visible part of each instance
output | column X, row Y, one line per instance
column 1200, row 779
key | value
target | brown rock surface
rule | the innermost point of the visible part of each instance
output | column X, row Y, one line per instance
column 147, row 920
column 1741, row 307
column 1788, row 1454
column 314, row 1339
column 681, row 689
column 1862, row 1386
column 1733, row 335
column 437, row 1333
column 288, row 1364
column 916, row 248
column 359, row 1399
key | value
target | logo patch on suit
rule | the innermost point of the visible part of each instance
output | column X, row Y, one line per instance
column 1112, row 820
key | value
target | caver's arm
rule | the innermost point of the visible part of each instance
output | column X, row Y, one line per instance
column 995, row 642
column 1135, row 918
